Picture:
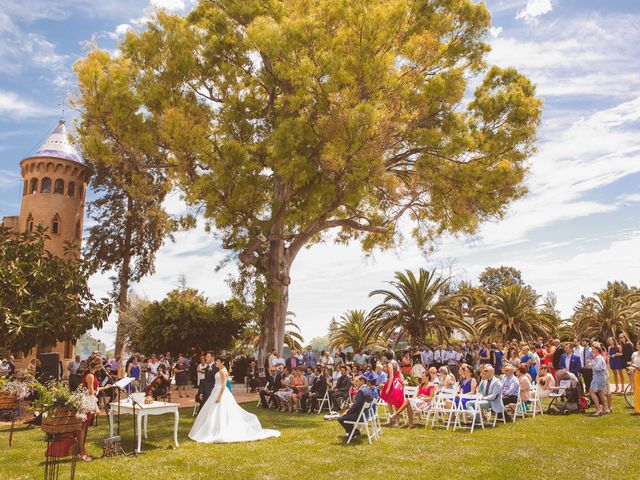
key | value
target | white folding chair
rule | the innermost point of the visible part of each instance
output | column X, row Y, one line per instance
column 559, row 392
column 409, row 393
column 461, row 411
column 363, row 420
column 536, row 402
column 325, row 400
column 497, row 414
column 440, row 411
column 382, row 405
column 520, row 408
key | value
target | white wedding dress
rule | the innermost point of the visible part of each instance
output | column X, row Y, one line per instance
column 226, row 422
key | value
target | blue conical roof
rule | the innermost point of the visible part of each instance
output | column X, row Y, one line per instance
column 58, row 146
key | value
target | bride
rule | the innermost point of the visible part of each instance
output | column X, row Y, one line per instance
column 222, row 420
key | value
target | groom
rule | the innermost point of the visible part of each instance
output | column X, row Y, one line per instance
column 209, row 375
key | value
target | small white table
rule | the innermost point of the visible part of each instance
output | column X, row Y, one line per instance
column 143, row 412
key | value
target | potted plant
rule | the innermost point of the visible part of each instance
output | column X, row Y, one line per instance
column 64, row 411
column 16, row 388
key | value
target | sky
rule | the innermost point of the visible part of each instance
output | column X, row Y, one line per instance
column 578, row 227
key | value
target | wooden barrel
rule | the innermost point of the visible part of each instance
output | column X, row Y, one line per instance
column 62, row 420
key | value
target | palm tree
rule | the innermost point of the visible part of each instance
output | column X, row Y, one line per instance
column 607, row 314
column 417, row 308
column 351, row 331
column 250, row 337
column 292, row 336
column 512, row 313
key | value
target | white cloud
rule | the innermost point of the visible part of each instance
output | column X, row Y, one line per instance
column 12, row 105
column 533, row 9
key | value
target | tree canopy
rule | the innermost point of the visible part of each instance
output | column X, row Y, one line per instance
column 44, row 299
column 185, row 320
column 287, row 120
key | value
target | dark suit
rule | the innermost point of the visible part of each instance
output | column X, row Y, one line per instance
column 363, row 396
column 557, row 356
column 274, row 383
column 574, row 363
column 292, row 363
column 341, row 390
column 253, row 378
column 317, row 390
column 209, row 380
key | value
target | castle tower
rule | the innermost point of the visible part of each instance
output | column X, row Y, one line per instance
column 53, row 194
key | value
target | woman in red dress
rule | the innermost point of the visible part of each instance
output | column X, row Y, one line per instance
column 392, row 391
column 90, row 382
column 548, row 357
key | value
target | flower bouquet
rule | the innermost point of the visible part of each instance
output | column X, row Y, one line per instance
column 16, row 388
column 62, row 410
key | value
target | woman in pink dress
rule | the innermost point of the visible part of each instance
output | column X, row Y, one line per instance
column 392, row 391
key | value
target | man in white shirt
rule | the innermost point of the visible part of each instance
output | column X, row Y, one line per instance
column 74, row 377
column 426, row 357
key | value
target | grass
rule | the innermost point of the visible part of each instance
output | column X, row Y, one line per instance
column 548, row 447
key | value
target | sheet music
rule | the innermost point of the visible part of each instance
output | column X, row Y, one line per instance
column 123, row 382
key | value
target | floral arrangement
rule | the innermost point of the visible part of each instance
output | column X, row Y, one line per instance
column 56, row 395
column 20, row 385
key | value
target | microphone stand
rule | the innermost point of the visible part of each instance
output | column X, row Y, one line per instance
column 135, row 423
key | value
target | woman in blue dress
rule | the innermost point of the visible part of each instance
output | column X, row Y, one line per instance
column 133, row 371
column 599, row 381
column 468, row 384
column 615, row 363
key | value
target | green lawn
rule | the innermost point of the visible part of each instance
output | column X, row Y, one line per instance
column 555, row 447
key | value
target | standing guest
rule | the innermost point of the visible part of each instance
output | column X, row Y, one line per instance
column 328, row 360
column 570, row 361
column 420, row 403
column 513, row 358
column 426, row 357
column 598, row 383
column 317, row 390
column 253, row 376
column 74, row 375
column 180, row 373
column 292, row 361
column 451, row 361
column 557, row 355
column 351, row 415
column 340, row 390
column 548, row 357
column 200, row 370
column 90, row 382
column 524, row 380
column 392, row 391
column 143, row 373
column 337, row 358
column 627, row 353
column 586, row 359
column 271, row 361
column 152, row 369
column 309, row 358
column 545, row 382
column 634, row 371
column 279, row 362
column 115, row 363
column 133, row 371
column 484, row 354
column 527, row 360
column 496, row 357
column 406, row 363
column 615, row 363
column 359, row 359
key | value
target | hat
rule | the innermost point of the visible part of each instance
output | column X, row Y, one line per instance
column 370, row 376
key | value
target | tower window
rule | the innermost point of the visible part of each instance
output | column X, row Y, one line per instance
column 58, row 187
column 46, row 185
column 29, row 226
column 71, row 190
column 80, row 192
column 34, row 186
column 78, row 231
column 55, row 224
column 26, row 188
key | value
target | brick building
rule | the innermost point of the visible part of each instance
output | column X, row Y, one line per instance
column 53, row 195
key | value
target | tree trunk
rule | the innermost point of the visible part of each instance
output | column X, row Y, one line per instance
column 274, row 315
column 123, row 289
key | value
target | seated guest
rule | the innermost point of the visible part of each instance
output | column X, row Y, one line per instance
column 570, row 361
column 545, row 382
column 299, row 386
column 510, row 386
column 351, row 415
column 160, row 384
column 420, row 403
column 447, row 380
column 341, row 388
column 524, row 380
column 274, row 383
column 253, row 376
column 381, row 377
column 317, row 390
column 282, row 395
column 490, row 392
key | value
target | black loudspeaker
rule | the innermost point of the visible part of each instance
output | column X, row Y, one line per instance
column 50, row 366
